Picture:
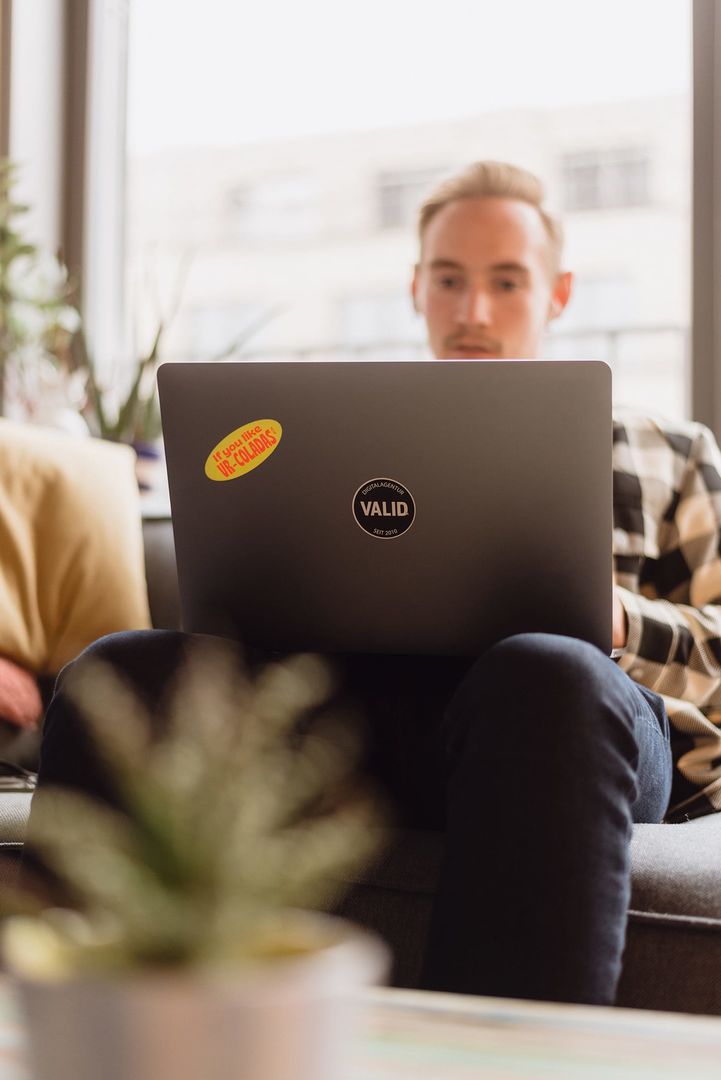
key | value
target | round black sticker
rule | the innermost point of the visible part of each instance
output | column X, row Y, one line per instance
column 384, row 508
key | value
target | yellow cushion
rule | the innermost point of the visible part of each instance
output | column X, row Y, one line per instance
column 71, row 547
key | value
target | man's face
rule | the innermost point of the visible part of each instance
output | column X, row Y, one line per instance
column 484, row 283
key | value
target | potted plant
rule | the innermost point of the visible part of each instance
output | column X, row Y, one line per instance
column 133, row 415
column 185, row 952
column 37, row 323
column 47, row 372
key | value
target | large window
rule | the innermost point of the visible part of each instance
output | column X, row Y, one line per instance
column 279, row 156
column 606, row 179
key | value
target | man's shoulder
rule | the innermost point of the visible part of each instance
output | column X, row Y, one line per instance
column 651, row 431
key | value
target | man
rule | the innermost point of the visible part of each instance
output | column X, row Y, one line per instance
column 490, row 278
column 540, row 757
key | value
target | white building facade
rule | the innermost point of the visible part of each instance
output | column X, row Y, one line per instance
column 307, row 245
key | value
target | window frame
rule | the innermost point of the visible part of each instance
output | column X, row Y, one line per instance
column 6, row 9
column 705, row 366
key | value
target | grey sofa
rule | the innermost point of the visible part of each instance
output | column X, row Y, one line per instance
column 672, row 959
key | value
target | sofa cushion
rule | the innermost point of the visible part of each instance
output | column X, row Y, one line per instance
column 673, row 943
column 72, row 556
column 677, row 868
column 161, row 571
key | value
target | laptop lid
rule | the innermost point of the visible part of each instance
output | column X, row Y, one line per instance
column 421, row 507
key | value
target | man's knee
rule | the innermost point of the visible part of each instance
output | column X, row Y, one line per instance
column 131, row 646
column 143, row 658
column 534, row 659
column 536, row 690
column 532, row 664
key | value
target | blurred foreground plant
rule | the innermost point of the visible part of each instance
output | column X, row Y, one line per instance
column 238, row 812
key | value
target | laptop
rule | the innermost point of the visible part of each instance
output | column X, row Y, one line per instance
column 418, row 507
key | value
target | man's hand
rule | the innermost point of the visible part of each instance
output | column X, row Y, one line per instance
column 620, row 622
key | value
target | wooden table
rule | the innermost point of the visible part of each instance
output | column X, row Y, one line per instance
column 451, row 1037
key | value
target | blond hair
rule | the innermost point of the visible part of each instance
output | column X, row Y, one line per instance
column 495, row 179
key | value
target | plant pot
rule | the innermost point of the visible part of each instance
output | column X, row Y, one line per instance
column 287, row 1019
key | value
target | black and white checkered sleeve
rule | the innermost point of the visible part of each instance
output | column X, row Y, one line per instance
column 674, row 625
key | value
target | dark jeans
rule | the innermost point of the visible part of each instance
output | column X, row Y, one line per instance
column 545, row 756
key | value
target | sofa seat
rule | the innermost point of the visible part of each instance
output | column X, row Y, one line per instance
column 672, row 959
column 673, row 945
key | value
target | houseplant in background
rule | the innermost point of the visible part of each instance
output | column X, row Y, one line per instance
column 185, row 950
column 37, row 324
column 47, row 372
column 127, row 409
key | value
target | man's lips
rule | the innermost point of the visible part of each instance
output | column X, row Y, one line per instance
column 476, row 348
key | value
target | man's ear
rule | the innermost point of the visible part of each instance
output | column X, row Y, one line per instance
column 560, row 295
column 414, row 288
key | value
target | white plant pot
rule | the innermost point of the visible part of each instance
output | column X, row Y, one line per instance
column 290, row 1019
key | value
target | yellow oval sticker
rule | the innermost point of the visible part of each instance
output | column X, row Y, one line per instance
column 243, row 450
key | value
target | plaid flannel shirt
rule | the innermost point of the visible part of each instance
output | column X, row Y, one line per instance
column 667, row 563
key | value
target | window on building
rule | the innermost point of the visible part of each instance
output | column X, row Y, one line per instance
column 600, row 302
column 401, row 192
column 280, row 208
column 211, row 331
column 379, row 320
column 606, row 179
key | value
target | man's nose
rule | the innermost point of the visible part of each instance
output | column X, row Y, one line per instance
column 477, row 307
